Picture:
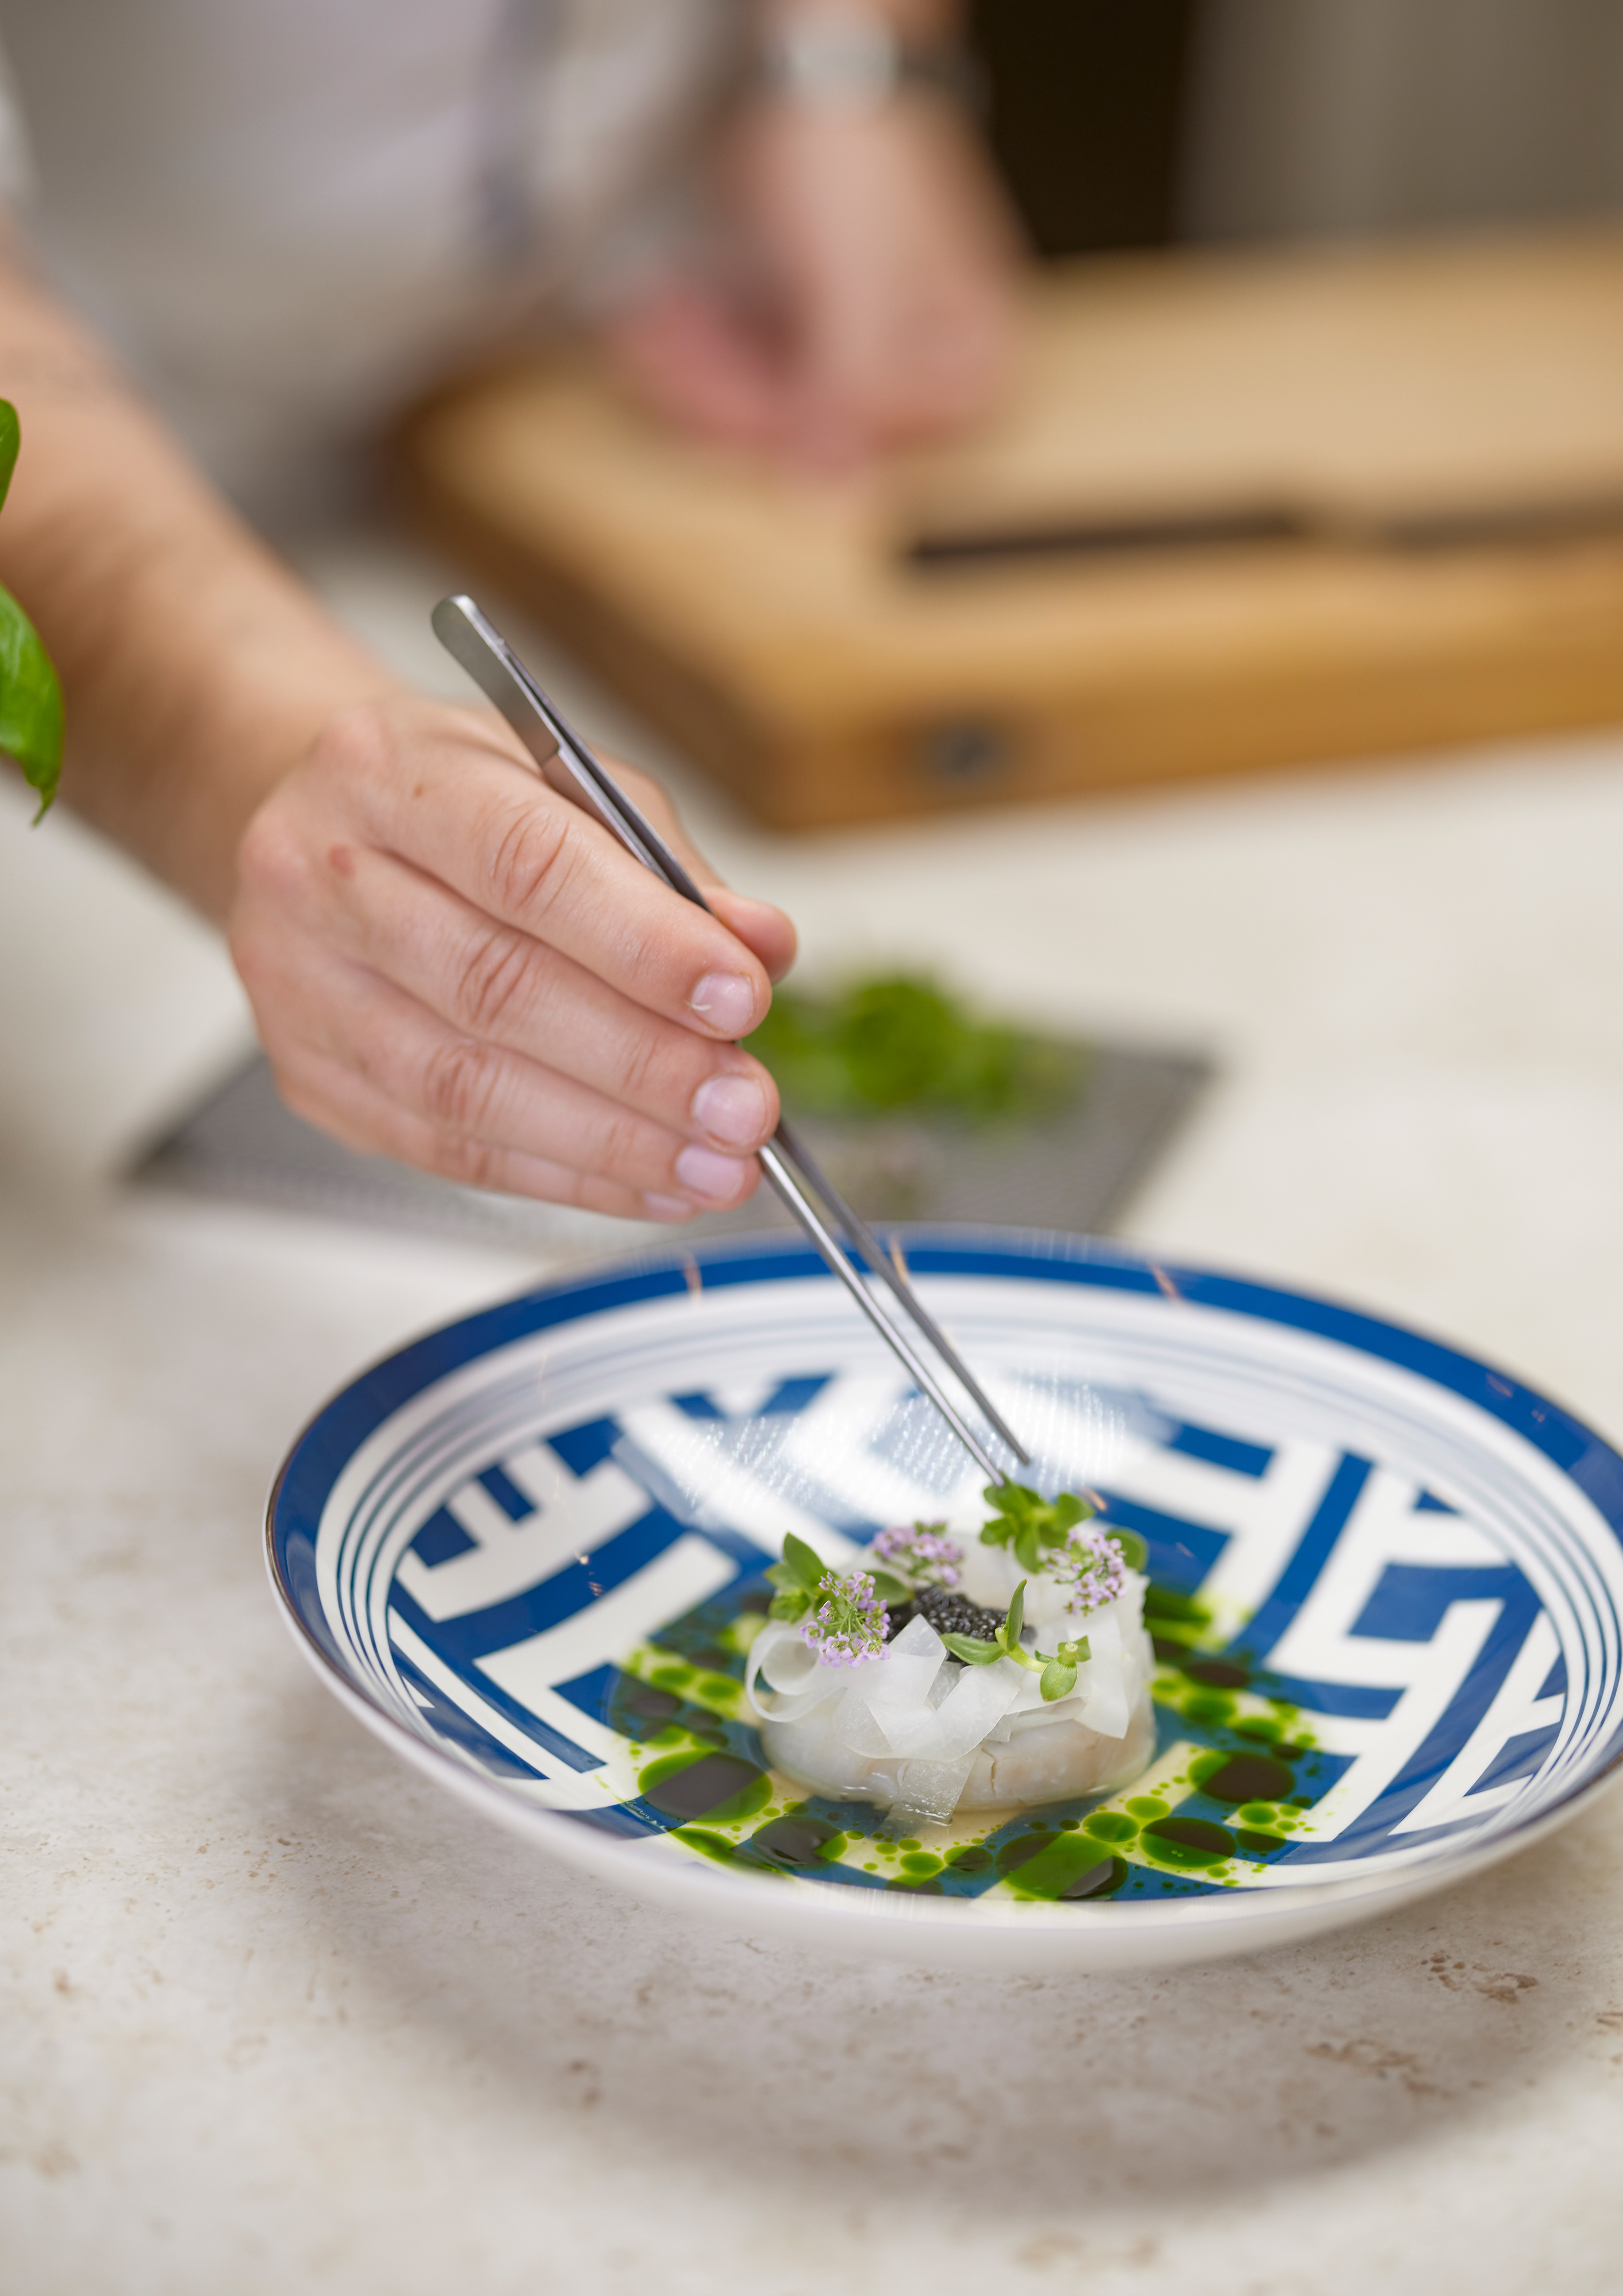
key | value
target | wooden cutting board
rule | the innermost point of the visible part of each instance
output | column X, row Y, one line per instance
column 1238, row 512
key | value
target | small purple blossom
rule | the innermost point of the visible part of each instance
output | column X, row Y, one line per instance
column 850, row 1624
column 1090, row 1565
column 918, row 1550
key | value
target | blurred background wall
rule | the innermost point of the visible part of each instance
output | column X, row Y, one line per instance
column 1135, row 126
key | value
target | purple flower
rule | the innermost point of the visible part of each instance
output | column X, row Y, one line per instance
column 852, row 1622
column 918, row 1551
column 1090, row 1565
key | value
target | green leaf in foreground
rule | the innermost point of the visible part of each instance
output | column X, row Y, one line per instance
column 1059, row 1680
column 30, row 697
column 971, row 1650
column 30, row 703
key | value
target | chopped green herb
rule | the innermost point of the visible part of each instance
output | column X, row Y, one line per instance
column 903, row 1042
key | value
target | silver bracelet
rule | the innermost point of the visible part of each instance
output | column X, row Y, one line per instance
column 839, row 58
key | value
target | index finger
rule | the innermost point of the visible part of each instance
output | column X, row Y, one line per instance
column 458, row 801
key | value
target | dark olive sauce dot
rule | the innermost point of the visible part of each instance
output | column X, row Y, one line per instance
column 1260, row 1845
column 1248, row 1777
column 1216, row 1673
column 713, row 1656
column 1302, row 1801
column 1070, row 1824
column 760, row 1604
column 1256, row 1725
column 1095, row 1880
column 1015, row 1853
column 1170, row 1651
column 798, row 1840
column 973, row 1860
column 928, row 1886
column 717, row 1785
column 1188, row 1842
column 647, row 1703
column 1162, row 1603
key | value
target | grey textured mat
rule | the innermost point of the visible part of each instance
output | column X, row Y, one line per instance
column 1074, row 1171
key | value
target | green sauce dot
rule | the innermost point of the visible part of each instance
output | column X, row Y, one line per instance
column 920, row 1861
column 1110, row 1825
column 1256, row 1812
column 910, row 1845
column 1146, row 1806
column 1210, row 1706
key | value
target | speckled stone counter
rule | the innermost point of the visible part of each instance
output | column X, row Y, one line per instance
column 278, row 2014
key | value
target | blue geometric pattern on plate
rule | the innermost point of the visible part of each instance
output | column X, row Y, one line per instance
column 1419, row 1553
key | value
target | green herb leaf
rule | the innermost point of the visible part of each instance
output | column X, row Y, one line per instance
column 10, row 439
column 889, row 1587
column 899, row 1042
column 1026, row 1552
column 1059, row 1680
column 1016, row 1619
column 791, row 1605
column 30, row 703
column 1077, row 1653
column 30, row 697
column 1135, row 1551
column 804, row 1561
column 974, row 1651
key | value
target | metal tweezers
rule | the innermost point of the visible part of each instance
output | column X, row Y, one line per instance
column 569, row 766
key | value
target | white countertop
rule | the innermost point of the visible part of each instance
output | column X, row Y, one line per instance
column 278, row 2014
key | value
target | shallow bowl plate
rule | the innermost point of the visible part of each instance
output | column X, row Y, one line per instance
column 526, row 1551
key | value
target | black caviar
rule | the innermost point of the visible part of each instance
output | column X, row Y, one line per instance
column 948, row 1612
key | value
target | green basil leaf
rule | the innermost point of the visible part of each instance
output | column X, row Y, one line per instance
column 1058, row 1679
column 804, row 1561
column 30, row 698
column 974, row 1651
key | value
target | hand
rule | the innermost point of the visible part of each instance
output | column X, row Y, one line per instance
column 871, row 301
column 452, row 966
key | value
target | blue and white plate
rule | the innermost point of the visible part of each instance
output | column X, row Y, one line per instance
column 528, row 1552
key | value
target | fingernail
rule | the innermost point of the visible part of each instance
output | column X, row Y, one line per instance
column 726, row 1000
column 731, row 1108
column 668, row 1208
column 705, row 1174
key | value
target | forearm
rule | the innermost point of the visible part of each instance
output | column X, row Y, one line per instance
column 196, row 670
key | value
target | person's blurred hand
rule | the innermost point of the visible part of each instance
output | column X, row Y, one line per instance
column 451, row 965
column 869, row 298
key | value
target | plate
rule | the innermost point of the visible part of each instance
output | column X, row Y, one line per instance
column 1387, row 1579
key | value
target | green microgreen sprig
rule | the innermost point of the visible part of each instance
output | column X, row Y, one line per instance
column 1058, row 1668
column 1032, row 1527
column 798, row 1580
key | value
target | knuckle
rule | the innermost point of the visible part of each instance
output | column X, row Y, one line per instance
column 531, row 860
column 496, row 977
column 471, row 1163
column 458, row 1083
